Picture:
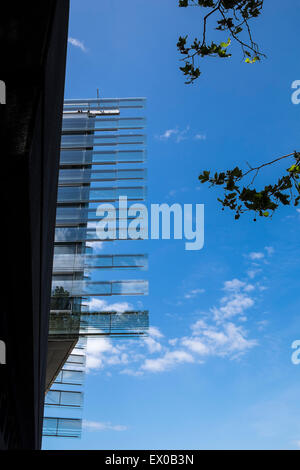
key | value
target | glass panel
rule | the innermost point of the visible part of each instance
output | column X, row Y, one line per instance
column 78, row 123
column 69, row 427
column 101, row 322
column 85, row 194
column 69, row 157
column 130, row 287
column 102, row 123
column 114, row 323
column 52, row 398
column 62, row 427
column 79, row 262
column 50, row 426
column 75, row 234
column 71, row 399
column 72, row 214
column 70, row 377
column 76, row 359
column 62, row 322
column 65, row 249
column 134, row 261
column 77, row 140
column 85, row 287
column 90, row 174
column 76, row 215
column 125, row 156
column 82, row 234
column 105, row 103
column 64, row 398
column 79, row 157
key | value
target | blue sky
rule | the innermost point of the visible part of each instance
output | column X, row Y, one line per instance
column 216, row 370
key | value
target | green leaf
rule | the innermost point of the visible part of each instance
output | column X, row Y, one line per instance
column 225, row 44
column 251, row 61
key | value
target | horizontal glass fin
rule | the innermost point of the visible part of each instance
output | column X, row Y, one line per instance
column 76, row 359
column 99, row 323
column 83, row 234
column 88, row 157
column 89, row 175
column 94, row 323
column 62, row 427
column 83, row 141
column 104, row 103
column 70, row 377
column 79, row 262
column 102, row 123
column 74, row 288
column 64, row 398
column 74, row 194
column 66, row 215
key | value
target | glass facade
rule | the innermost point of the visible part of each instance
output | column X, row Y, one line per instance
column 102, row 158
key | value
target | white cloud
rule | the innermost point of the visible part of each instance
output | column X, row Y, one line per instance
column 155, row 332
column 214, row 334
column 101, row 352
column 262, row 324
column 233, row 305
column 99, row 345
column 207, row 340
column 98, row 426
column 236, row 285
column 168, row 133
column 178, row 135
column 233, row 285
column 235, row 302
column 200, row 136
column 132, row 372
column 249, row 288
column 270, row 250
column 224, row 340
column 197, row 326
column 195, row 345
column 182, row 135
column 173, row 341
column 262, row 288
column 193, row 293
column 75, row 42
column 151, row 340
column 253, row 272
column 173, row 192
column 256, row 255
column 93, row 362
column 167, row 361
column 153, row 346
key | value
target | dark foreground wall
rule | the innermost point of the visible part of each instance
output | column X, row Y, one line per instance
column 33, row 39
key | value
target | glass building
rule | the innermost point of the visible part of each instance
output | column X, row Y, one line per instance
column 102, row 158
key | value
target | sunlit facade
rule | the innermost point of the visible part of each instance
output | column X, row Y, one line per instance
column 102, row 157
